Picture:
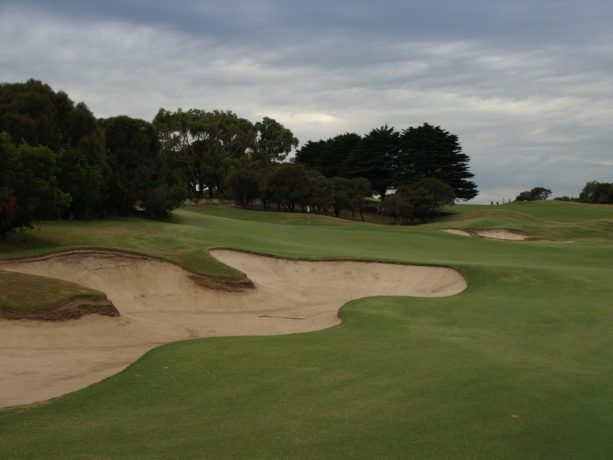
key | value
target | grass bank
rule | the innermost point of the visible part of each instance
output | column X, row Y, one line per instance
column 20, row 291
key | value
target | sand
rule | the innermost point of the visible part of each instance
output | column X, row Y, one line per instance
column 455, row 231
column 494, row 233
column 159, row 303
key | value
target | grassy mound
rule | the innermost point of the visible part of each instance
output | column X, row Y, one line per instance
column 23, row 292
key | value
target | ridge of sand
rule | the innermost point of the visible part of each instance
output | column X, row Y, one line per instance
column 159, row 303
column 493, row 233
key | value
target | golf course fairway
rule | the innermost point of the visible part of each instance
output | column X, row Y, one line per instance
column 517, row 365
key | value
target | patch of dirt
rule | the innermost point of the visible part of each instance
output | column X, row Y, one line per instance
column 74, row 308
column 160, row 302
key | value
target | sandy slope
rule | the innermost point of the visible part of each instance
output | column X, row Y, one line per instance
column 494, row 233
column 159, row 303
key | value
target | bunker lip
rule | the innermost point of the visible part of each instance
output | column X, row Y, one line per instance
column 160, row 303
column 220, row 249
column 491, row 233
column 73, row 308
column 211, row 282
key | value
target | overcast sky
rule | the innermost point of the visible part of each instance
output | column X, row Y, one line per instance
column 526, row 85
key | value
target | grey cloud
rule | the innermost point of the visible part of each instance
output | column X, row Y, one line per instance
column 527, row 86
column 521, row 20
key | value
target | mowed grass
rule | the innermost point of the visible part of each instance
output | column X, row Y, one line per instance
column 517, row 366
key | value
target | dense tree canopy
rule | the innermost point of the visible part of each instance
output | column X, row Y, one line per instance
column 430, row 151
column 75, row 166
column 273, row 142
column 207, row 145
column 292, row 187
column 243, row 185
column 199, row 142
column 377, row 158
column 537, row 193
column 332, row 157
column 421, row 200
column 350, row 194
column 28, row 185
column 597, row 192
column 287, row 186
column 133, row 151
column 84, row 181
column 33, row 113
column 320, row 191
column 311, row 154
column 389, row 159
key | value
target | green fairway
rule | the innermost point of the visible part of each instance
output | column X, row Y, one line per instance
column 519, row 365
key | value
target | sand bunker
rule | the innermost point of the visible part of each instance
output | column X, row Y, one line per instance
column 159, row 303
column 493, row 233
column 455, row 231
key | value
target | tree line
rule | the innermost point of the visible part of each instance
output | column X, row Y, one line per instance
column 534, row 194
column 597, row 192
column 289, row 187
column 57, row 160
column 593, row 192
column 390, row 159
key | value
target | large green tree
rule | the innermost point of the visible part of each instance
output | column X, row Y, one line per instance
column 133, row 151
column 34, row 114
column 332, row 157
column 84, row 181
column 375, row 158
column 421, row 200
column 273, row 143
column 430, row 151
column 243, row 185
column 339, row 152
column 320, row 191
column 286, row 185
column 535, row 194
column 350, row 194
column 28, row 185
column 597, row 192
column 204, row 144
column 311, row 154
column 389, row 159
column 141, row 177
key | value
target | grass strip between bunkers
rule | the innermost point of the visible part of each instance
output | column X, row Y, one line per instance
column 25, row 296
